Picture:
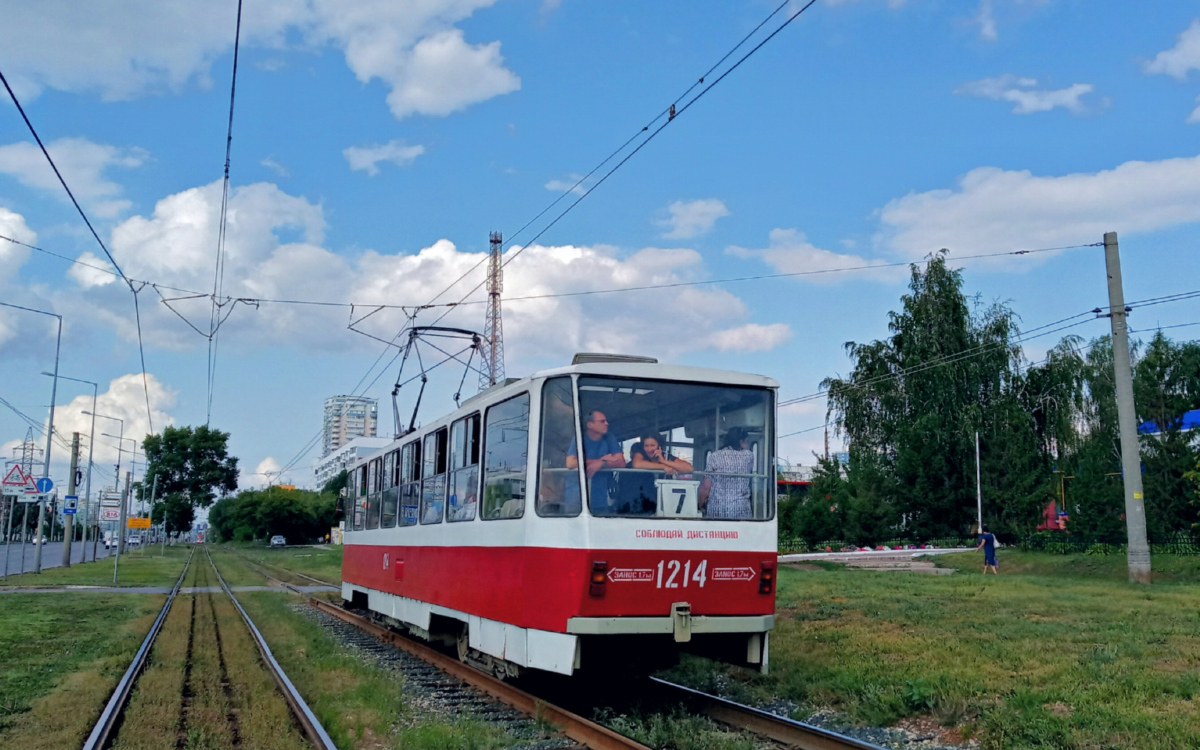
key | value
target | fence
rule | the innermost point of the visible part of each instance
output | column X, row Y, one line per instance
column 796, row 545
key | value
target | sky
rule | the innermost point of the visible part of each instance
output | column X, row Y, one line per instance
column 377, row 143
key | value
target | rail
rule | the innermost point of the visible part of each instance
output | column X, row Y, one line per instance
column 789, row 732
column 792, row 733
column 111, row 715
column 308, row 720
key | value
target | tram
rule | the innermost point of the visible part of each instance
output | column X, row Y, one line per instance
column 489, row 530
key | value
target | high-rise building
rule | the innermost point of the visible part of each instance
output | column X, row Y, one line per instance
column 348, row 417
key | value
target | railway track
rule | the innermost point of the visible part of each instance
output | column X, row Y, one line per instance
column 778, row 729
column 213, row 674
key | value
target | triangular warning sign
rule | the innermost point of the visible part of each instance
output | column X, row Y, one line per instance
column 15, row 477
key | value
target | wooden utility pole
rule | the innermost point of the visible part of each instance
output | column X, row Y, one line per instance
column 1138, row 550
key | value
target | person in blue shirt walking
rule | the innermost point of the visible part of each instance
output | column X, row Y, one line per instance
column 987, row 542
column 601, row 453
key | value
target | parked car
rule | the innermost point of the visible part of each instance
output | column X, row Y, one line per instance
column 278, row 541
column 133, row 540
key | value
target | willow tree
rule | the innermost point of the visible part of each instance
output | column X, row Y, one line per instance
column 912, row 404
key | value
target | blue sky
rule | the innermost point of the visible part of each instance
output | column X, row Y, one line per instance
column 377, row 143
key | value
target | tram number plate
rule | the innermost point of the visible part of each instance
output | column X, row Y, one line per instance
column 672, row 574
column 675, row 574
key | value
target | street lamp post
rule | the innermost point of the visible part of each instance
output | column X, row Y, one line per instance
column 87, row 492
column 117, row 476
column 124, row 500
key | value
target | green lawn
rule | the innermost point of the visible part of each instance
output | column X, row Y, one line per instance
column 60, row 657
column 1065, row 655
column 1164, row 568
column 139, row 567
column 323, row 561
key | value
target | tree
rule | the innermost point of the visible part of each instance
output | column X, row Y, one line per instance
column 260, row 514
column 336, row 484
column 192, row 465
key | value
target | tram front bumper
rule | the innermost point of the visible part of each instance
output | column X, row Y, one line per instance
column 667, row 625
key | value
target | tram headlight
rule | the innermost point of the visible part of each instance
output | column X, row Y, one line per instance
column 766, row 577
column 599, row 576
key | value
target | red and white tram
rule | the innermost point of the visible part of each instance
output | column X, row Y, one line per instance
column 485, row 529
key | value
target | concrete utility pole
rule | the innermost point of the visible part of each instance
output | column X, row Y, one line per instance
column 978, row 486
column 1131, row 454
column 69, row 520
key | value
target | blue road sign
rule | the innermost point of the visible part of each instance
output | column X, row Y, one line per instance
column 45, row 484
column 70, row 511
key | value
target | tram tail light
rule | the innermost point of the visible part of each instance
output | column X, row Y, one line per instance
column 766, row 578
column 599, row 576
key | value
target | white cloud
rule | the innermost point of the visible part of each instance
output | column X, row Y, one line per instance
column 1025, row 97
column 789, row 251
column 12, row 257
column 275, row 167
column 443, row 74
column 573, row 182
column 751, row 337
column 992, row 210
column 126, row 400
column 132, row 48
column 1194, row 117
column 1178, row 61
column 82, row 164
column 987, row 21
column 692, row 218
column 88, row 271
column 274, row 251
column 367, row 158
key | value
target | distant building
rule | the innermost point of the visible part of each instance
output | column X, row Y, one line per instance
column 346, row 418
column 329, row 466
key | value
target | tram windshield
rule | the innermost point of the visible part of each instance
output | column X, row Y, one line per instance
column 675, row 450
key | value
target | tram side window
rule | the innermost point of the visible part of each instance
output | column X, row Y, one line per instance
column 375, row 493
column 360, row 497
column 410, row 478
column 464, row 469
column 433, row 486
column 391, row 490
column 506, row 455
column 558, row 486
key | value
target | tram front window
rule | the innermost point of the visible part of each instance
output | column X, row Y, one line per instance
column 676, row 450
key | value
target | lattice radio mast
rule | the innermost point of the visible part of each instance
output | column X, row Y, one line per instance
column 493, row 327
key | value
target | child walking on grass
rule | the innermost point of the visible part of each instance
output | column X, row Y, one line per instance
column 987, row 542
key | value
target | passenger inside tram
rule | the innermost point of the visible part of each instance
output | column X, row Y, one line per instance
column 670, row 430
column 601, row 454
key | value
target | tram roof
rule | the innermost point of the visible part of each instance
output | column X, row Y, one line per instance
column 662, row 372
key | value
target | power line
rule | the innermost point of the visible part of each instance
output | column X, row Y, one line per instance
column 215, row 320
column 672, row 112
column 141, row 348
column 1163, row 328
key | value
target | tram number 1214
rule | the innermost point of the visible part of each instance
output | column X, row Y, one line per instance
column 669, row 574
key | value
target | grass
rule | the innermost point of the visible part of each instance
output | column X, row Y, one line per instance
column 139, row 567
column 1164, row 568
column 323, row 561
column 61, row 655
column 360, row 705
column 1061, row 656
column 230, row 697
column 678, row 730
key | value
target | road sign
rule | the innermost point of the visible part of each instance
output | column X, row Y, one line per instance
column 15, row 477
column 137, row 523
column 70, row 511
column 45, row 484
column 70, row 501
column 111, row 500
column 110, row 514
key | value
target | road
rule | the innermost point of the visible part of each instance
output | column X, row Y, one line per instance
column 51, row 555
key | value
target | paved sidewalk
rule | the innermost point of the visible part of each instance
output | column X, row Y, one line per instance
column 907, row 560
